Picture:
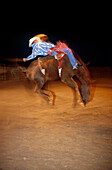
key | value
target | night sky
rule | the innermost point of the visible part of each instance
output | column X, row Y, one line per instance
column 86, row 32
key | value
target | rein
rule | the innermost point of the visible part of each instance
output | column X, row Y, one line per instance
column 60, row 60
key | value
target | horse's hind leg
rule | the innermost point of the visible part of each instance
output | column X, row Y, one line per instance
column 40, row 92
column 46, row 94
column 50, row 96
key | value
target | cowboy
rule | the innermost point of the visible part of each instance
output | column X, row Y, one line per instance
column 39, row 45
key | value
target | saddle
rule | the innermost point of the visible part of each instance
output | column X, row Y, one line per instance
column 59, row 57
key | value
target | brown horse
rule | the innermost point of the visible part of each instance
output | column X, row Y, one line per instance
column 69, row 76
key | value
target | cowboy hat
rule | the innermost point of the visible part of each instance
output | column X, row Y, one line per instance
column 38, row 37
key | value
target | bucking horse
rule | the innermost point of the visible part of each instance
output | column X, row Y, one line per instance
column 58, row 67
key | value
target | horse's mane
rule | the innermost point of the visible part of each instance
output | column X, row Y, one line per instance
column 81, row 62
column 78, row 57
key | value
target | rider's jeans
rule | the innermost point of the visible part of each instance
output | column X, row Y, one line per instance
column 71, row 56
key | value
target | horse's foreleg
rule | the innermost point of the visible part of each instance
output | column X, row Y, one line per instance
column 78, row 96
column 71, row 83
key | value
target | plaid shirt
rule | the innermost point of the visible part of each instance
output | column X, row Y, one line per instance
column 40, row 48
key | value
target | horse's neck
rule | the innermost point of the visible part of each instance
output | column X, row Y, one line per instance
column 85, row 77
column 83, row 73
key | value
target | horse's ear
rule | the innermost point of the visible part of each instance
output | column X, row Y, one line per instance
column 88, row 63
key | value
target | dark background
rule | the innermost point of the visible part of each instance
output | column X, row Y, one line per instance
column 85, row 27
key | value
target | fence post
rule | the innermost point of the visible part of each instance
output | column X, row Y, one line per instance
column 3, row 72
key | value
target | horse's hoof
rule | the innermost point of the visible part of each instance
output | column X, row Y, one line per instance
column 52, row 99
column 50, row 102
column 80, row 103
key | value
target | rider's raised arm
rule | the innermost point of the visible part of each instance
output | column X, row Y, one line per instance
column 35, row 52
column 32, row 56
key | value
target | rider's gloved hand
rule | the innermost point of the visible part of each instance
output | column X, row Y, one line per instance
column 24, row 59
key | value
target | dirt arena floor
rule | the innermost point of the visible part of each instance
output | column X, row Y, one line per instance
column 38, row 136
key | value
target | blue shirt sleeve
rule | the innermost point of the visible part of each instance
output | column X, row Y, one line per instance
column 40, row 48
column 32, row 56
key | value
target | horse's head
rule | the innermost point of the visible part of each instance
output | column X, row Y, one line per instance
column 85, row 83
column 85, row 91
